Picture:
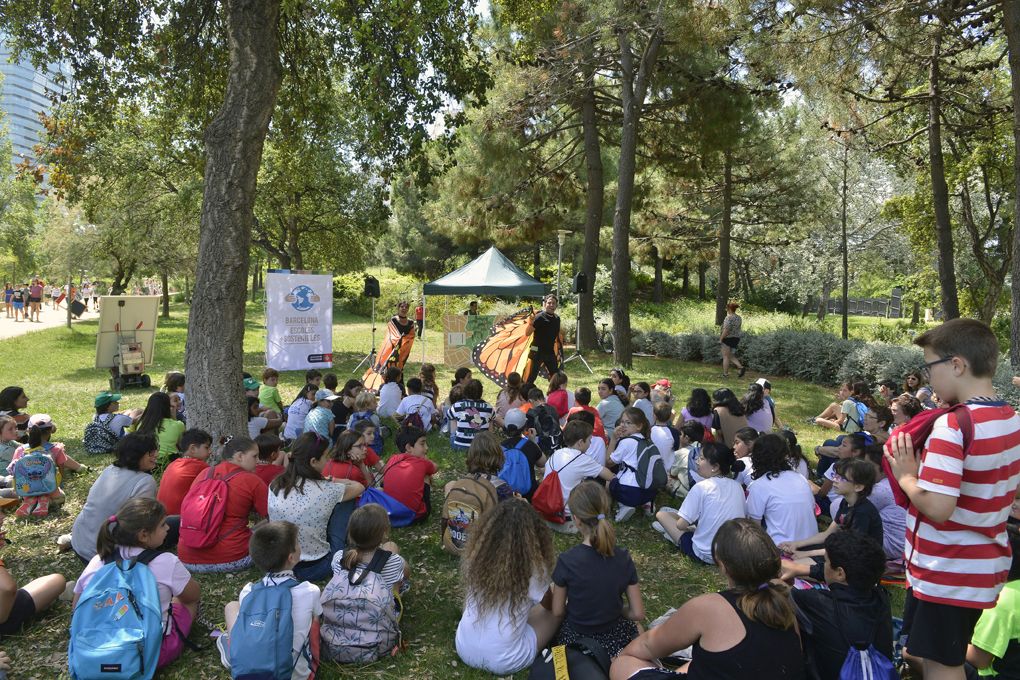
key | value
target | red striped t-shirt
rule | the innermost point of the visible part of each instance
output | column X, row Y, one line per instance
column 964, row 561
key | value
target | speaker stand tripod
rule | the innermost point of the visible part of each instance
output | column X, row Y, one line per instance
column 576, row 354
column 370, row 357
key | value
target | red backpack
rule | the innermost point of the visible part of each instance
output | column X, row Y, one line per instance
column 919, row 428
column 548, row 497
column 203, row 510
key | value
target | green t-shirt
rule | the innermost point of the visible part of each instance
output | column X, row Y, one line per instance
column 169, row 435
column 269, row 397
column 997, row 628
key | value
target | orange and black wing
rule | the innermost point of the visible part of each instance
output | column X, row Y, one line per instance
column 394, row 352
column 507, row 350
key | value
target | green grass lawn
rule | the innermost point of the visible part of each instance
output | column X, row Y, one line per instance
column 56, row 369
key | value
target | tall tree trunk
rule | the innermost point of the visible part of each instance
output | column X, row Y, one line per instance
column 657, row 292
column 844, row 246
column 633, row 86
column 722, row 291
column 940, row 190
column 165, row 280
column 685, row 287
column 823, row 303
column 593, row 213
column 702, row 275
column 214, row 356
column 1011, row 10
column 537, row 261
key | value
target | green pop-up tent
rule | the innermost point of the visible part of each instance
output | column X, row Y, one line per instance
column 491, row 273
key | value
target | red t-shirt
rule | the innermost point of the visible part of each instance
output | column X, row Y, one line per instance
column 600, row 429
column 267, row 473
column 246, row 493
column 176, row 480
column 345, row 470
column 404, row 480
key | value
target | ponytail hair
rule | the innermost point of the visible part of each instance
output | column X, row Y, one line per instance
column 36, row 434
column 235, row 445
column 122, row 528
column 367, row 530
column 307, row 447
column 751, row 560
column 589, row 504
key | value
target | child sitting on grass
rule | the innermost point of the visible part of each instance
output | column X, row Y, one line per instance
column 158, row 419
column 178, row 477
column 590, row 579
column 350, row 459
column 408, row 474
column 18, row 605
column 356, row 628
column 40, row 428
column 138, row 525
column 365, row 405
column 269, row 395
column 582, row 401
column 272, row 457
column 274, row 549
column 485, row 459
column 506, row 617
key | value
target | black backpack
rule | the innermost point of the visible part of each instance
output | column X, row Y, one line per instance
column 547, row 427
column 584, row 658
column 98, row 437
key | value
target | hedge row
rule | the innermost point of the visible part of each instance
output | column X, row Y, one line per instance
column 812, row 356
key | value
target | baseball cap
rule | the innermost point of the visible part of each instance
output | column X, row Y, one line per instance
column 41, row 420
column 663, row 383
column 518, row 419
column 250, row 384
column 765, row 384
column 105, row 398
column 325, row 394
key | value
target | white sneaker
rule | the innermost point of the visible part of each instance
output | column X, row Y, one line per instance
column 662, row 530
column 64, row 542
column 223, row 644
column 624, row 513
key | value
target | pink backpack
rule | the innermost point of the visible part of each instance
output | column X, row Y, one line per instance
column 203, row 510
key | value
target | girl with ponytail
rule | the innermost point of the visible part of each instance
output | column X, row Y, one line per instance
column 590, row 579
column 745, row 631
column 712, row 502
column 140, row 525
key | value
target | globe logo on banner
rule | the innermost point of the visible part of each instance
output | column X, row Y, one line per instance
column 302, row 298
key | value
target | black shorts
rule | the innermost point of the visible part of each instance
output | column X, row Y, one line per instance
column 34, row 299
column 938, row 632
column 731, row 342
column 22, row 610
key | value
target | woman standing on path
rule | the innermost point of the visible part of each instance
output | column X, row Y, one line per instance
column 730, row 338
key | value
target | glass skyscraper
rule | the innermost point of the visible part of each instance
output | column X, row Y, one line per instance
column 24, row 93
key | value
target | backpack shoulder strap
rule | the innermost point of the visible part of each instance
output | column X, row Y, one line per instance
column 485, row 484
column 568, row 463
column 376, row 565
column 519, row 446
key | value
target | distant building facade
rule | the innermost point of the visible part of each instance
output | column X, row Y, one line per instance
column 24, row 93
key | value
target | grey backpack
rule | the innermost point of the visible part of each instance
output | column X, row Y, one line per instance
column 359, row 621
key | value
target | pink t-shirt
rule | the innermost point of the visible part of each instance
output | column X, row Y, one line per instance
column 171, row 576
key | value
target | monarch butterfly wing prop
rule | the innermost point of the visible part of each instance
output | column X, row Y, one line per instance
column 507, row 350
column 394, row 351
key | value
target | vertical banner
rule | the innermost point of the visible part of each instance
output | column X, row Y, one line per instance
column 461, row 332
column 299, row 320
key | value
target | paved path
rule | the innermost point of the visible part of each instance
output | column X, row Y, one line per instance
column 49, row 318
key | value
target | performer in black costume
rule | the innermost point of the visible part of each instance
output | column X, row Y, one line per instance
column 546, row 327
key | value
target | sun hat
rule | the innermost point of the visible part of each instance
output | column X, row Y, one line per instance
column 41, row 420
column 250, row 384
column 106, row 398
column 325, row 394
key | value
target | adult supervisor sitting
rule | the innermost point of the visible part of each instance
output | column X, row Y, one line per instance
column 546, row 327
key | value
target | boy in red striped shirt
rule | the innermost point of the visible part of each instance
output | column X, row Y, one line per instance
column 957, row 550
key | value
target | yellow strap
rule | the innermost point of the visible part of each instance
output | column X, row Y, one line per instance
column 559, row 654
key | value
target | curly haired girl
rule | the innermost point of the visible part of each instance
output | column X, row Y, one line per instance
column 506, row 618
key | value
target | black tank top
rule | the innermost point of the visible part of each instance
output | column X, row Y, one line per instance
column 764, row 654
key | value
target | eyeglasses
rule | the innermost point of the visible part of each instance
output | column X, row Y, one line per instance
column 926, row 368
column 836, row 477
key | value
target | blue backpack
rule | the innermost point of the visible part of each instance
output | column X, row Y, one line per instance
column 400, row 515
column 863, row 661
column 861, row 410
column 117, row 625
column 261, row 639
column 35, row 473
column 517, row 470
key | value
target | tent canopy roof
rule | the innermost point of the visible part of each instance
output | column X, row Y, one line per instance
column 491, row 273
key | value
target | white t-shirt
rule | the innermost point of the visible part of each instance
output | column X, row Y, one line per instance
column 573, row 473
column 711, row 503
column 802, row 469
column 834, row 498
column 116, row 422
column 646, row 408
column 310, row 511
column 172, row 577
column 255, row 425
column 663, row 440
column 500, row 642
column 627, row 452
column 389, row 399
column 786, row 504
column 296, row 415
column 420, row 404
column 597, row 450
column 304, row 606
